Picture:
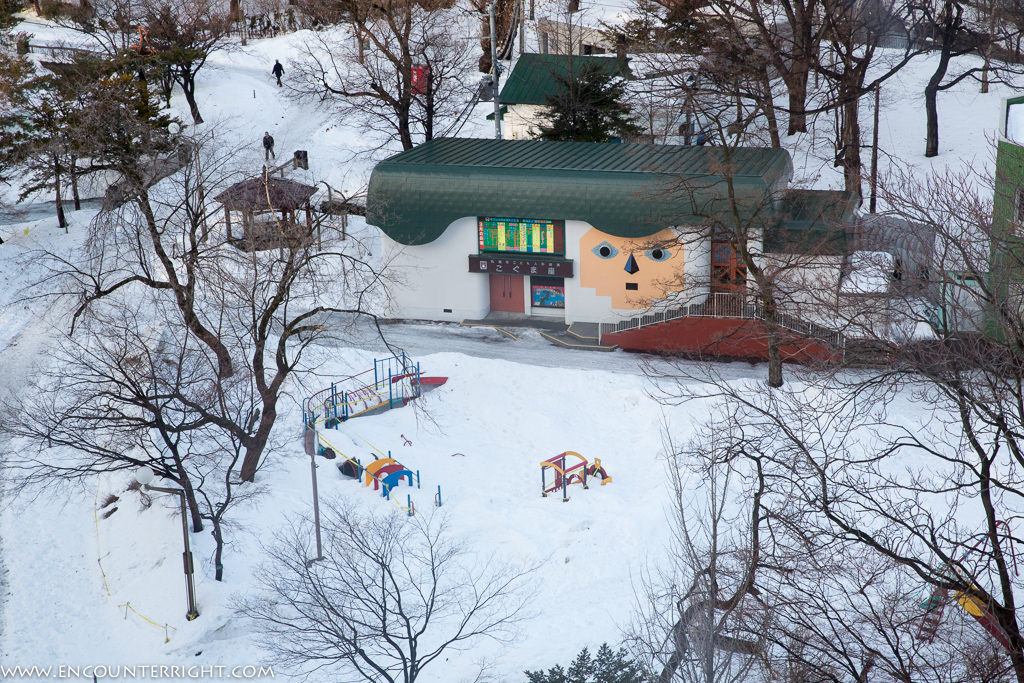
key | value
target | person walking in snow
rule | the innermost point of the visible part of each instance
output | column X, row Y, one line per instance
column 268, row 147
column 278, row 71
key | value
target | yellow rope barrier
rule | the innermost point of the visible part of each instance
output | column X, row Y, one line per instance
column 167, row 637
column 99, row 561
column 368, row 443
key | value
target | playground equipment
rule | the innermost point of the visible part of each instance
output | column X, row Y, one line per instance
column 935, row 605
column 576, row 473
column 384, row 474
column 395, row 382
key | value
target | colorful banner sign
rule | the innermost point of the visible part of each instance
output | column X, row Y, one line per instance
column 520, row 235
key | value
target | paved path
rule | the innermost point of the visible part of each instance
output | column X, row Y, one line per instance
column 425, row 338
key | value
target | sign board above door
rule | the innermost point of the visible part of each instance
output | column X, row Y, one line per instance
column 519, row 266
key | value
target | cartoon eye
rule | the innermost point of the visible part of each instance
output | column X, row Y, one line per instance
column 605, row 251
column 658, row 254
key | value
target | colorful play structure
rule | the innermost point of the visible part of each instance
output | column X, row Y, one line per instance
column 935, row 604
column 384, row 474
column 395, row 381
column 565, row 474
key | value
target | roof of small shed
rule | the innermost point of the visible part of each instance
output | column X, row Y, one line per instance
column 537, row 77
column 257, row 194
column 628, row 190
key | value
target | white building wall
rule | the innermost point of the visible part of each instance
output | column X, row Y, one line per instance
column 522, row 121
column 436, row 276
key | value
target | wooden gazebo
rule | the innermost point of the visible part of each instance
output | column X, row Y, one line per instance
column 269, row 209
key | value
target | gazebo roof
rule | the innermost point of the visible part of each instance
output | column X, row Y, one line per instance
column 257, row 194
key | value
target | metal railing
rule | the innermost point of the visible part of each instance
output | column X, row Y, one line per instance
column 395, row 380
column 725, row 305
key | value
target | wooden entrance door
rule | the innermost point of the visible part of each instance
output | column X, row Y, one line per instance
column 507, row 293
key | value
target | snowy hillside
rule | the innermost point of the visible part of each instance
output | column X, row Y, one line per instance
column 83, row 586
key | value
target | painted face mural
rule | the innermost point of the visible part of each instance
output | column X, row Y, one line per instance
column 631, row 271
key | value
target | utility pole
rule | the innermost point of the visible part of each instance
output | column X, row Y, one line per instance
column 874, row 154
column 495, row 76
column 522, row 26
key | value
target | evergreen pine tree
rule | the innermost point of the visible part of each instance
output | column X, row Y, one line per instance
column 589, row 107
column 607, row 667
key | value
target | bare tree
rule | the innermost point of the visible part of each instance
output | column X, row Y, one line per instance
column 391, row 596
column 397, row 67
column 701, row 616
column 956, row 30
column 853, row 36
column 249, row 314
column 181, row 37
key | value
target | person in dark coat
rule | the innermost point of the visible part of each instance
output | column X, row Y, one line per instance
column 268, row 147
column 278, row 71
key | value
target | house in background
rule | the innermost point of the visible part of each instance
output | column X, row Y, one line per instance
column 606, row 237
column 566, row 38
column 534, row 79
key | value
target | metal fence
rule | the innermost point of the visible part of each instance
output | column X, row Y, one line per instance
column 727, row 305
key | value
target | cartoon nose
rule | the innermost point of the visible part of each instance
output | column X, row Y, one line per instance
column 631, row 266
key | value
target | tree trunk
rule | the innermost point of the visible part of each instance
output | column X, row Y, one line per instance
column 769, row 110
column 74, row 184
column 851, row 143
column 187, row 80
column 931, row 92
column 797, row 86
column 258, row 442
column 167, row 83
column 771, row 326
column 190, row 496
column 62, row 221
column 218, row 553
column 484, row 63
column 405, row 130
column 428, row 125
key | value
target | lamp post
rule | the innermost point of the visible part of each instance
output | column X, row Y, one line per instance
column 311, row 448
column 144, row 475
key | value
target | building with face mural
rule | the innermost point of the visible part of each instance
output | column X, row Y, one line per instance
column 577, row 232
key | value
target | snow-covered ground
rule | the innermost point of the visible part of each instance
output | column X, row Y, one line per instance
column 80, row 589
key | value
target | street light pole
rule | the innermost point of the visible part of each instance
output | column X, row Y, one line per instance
column 311, row 441
column 316, row 510
column 144, row 475
column 495, row 76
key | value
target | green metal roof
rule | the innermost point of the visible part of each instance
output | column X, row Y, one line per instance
column 627, row 190
column 813, row 221
column 535, row 77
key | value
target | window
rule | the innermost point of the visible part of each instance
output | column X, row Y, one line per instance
column 1018, row 209
column 547, row 292
column 728, row 272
